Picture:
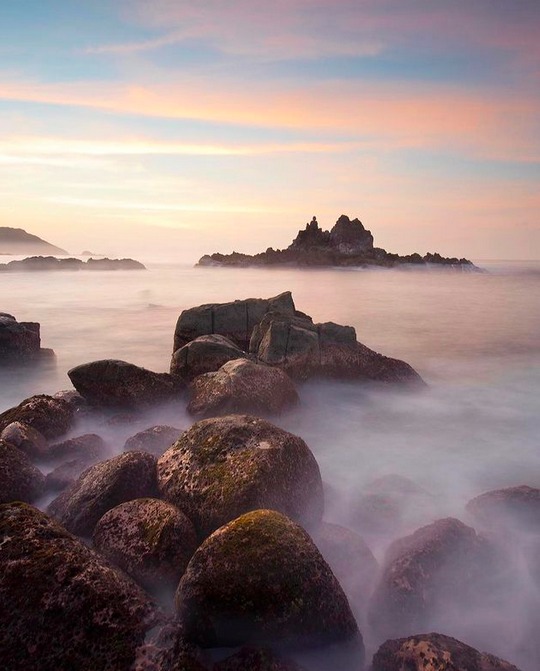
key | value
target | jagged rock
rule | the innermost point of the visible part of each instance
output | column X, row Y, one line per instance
column 131, row 475
column 19, row 341
column 234, row 320
column 109, row 382
column 26, row 439
column 52, row 417
column 20, row 480
column 435, row 652
column 256, row 659
column 260, row 580
column 223, row 467
column 242, row 386
column 205, row 354
column 63, row 608
column 438, row 566
column 155, row 439
column 311, row 236
column 511, row 507
column 350, row 237
column 151, row 540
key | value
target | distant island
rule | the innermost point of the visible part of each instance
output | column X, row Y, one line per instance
column 348, row 243
column 50, row 263
column 17, row 241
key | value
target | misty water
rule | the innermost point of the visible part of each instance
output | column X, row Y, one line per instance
column 474, row 338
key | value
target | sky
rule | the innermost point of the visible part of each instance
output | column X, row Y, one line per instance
column 177, row 127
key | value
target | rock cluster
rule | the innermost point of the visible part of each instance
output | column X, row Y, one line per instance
column 52, row 263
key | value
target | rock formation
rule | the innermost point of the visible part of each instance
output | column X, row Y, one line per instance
column 51, row 263
column 18, row 241
column 20, row 342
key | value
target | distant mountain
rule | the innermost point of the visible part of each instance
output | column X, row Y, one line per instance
column 17, row 241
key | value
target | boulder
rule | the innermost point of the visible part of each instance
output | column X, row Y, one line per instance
column 19, row 341
column 131, row 475
column 439, row 567
column 427, row 652
column 117, row 383
column 20, row 480
column 223, row 467
column 155, row 439
column 167, row 650
column 151, row 540
column 52, row 417
column 88, row 448
column 260, row 580
column 233, row 320
column 242, row 386
column 63, row 607
column 205, row 354
column 25, row 438
column 256, row 659
column 512, row 507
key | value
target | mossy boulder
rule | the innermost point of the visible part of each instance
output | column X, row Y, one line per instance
column 205, row 354
column 52, row 417
column 131, row 475
column 20, row 480
column 151, row 540
column 434, row 652
column 513, row 507
column 155, row 439
column 223, row 467
column 260, row 580
column 63, row 607
column 241, row 386
column 25, row 438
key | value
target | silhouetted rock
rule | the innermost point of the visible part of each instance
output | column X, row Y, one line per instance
column 20, row 480
column 260, row 580
column 221, row 468
column 51, row 263
column 205, row 354
column 511, row 507
column 63, row 607
column 435, row 652
column 350, row 237
column 17, row 241
column 52, row 417
column 20, row 342
column 154, row 440
column 242, row 386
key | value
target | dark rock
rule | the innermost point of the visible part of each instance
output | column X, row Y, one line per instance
column 350, row 237
column 20, row 480
column 90, row 448
column 437, row 567
column 19, row 341
column 131, row 475
column 26, row 439
column 260, row 580
column 512, row 507
column 242, row 386
column 167, row 650
column 117, row 383
column 51, row 263
column 221, row 468
column 434, row 652
column 256, row 659
column 234, row 320
column 151, row 540
column 154, row 440
column 63, row 608
column 205, row 354
column 65, row 475
column 312, row 236
column 52, row 417
column 114, row 264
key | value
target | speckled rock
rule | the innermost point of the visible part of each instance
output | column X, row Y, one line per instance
column 256, row 659
column 109, row 382
column 131, row 475
column 434, row 652
column 205, row 354
column 242, row 386
column 89, row 447
column 167, row 650
column 221, row 468
column 155, row 439
column 20, row 480
column 26, row 439
column 438, row 566
column 63, row 607
column 52, row 417
column 511, row 507
column 151, row 540
column 260, row 580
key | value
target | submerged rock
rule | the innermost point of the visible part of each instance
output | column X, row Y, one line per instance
column 20, row 480
column 63, row 608
column 52, row 417
column 155, row 439
column 511, row 507
column 221, row 468
column 205, row 354
column 260, row 580
column 89, row 447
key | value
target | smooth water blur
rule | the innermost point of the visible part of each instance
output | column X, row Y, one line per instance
column 475, row 338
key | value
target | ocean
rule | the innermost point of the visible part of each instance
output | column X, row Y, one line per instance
column 474, row 338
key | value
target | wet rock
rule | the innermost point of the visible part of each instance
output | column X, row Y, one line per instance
column 52, row 417
column 131, row 475
column 89, row 447
column 63, row 607
column 205, row 354
column 117, row 383
column 260, row 580
column 26, row 439
column 20, row 480
column 511, row 507
column 242, row 386
column 20, row 342
column 256, row 659
column 167, row 650
column 435, row 652
column 439, row 567
column 151, row 540
column 233, row 320
column 221, row 468
column 155, row 439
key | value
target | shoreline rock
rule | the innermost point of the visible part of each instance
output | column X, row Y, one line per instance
column 52, row 263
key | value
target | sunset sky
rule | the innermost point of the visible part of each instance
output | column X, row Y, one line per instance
column 183, row 127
